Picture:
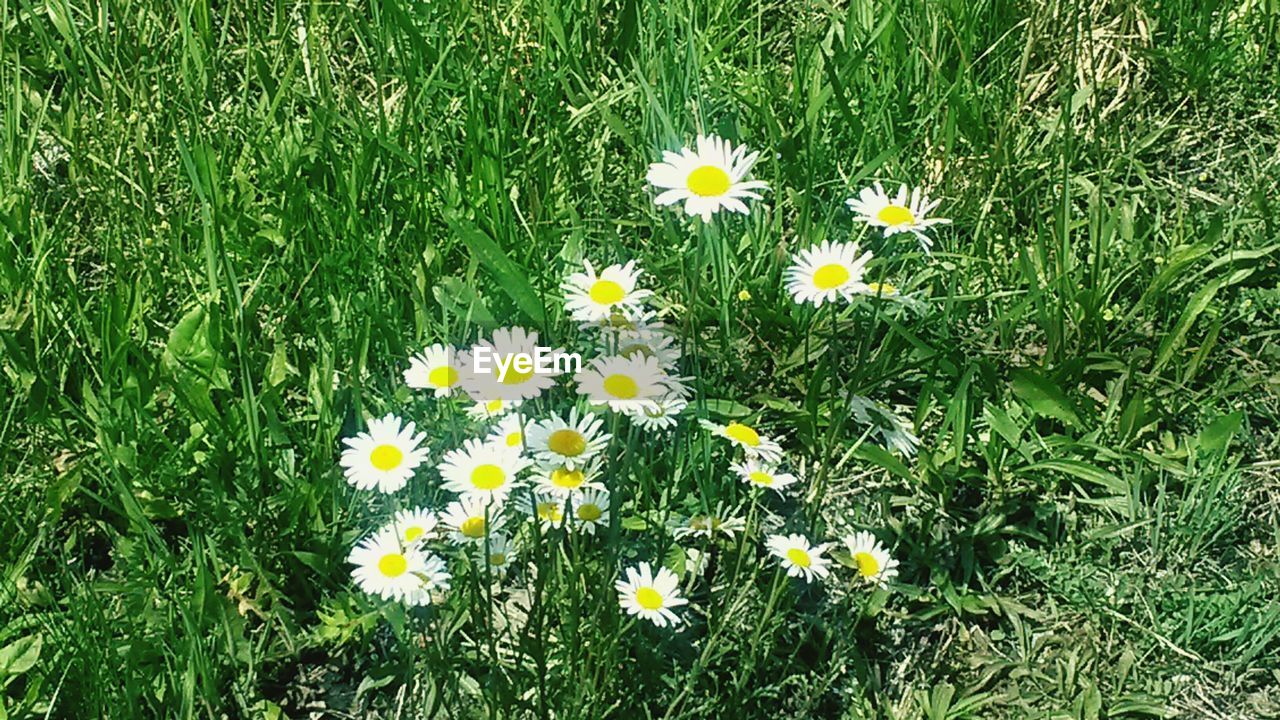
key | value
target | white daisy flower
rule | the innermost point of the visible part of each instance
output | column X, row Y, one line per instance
column 893, row 430
column 508, row 433
column 391, row 571
column 822, row 273
column 437, row 369
column 562, row 481
column 717, row 522
column 590, row 510
column 469, row 518
column 482, row 469
column 708, row 180
column 485, row 378
column 623, row 383
column 765, row 475
column 663, row 414
column 593, row 298
column 484, row 410
column 413, row 526
column 547, row 509
column 746, row 437
column 897, row 215
column 501, row 553
column 556, row 442
column 384, row 457
column 651, row 597
column 875, row 565
column 799, row 558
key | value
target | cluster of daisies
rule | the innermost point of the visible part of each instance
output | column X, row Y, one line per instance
column 522, row 476
column 519, row 470
column 712, row 178
column 762, row 460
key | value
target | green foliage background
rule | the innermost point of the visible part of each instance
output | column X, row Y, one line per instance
column 226, row 225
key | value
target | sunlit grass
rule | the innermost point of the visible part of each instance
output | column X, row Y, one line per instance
column 226, row 230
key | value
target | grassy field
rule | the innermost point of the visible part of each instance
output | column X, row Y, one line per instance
column 227, row 227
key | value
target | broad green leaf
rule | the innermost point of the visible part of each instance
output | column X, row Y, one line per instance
column 1176, row 265
column 634, row 522
column 509, row 275
column 727, row 408
column 193, row 356
column 315, row 561
column 877, row 455
column 674, row 559
column 1196, row 305
column 20, row 655
column 192, row 346
column 461, row 300
column 1090, row 700
column 1083, row 471
column 278, row 370
column 1237, row 258
column 1217, row 436
column 998, row 420
column 1043, row 396
column 1133, row 417
column 187, row 340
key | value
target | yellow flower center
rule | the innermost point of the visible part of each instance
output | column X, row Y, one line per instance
column 567, row 479
column 622, row 387
column 799, row 557
column 472, row 527
column 443, row 376
column 414, row 532
column 876, row 288
column 514, row 438
column 606, row 292
column 830, row 276
column 549, row 511
column 868, row 566
column 493, row 406
column 589, row 512
column 761, row 478
column 498, row 559
column 743, row 434
column 386, row 457
column 393, row 565
column 488, row 477
column 649, row 599
column 708, row 181
column 895, row 215
column 566, row 442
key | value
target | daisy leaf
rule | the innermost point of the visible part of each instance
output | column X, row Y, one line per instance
column 1043, row 396
column 509, row 275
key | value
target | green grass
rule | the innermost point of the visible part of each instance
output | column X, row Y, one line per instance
column 211, row 211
